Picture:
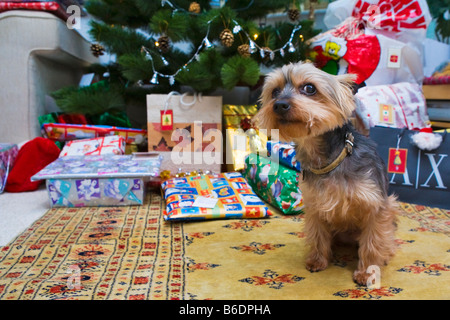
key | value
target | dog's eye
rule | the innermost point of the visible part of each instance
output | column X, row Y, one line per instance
column 308, row 89
column 275, row 92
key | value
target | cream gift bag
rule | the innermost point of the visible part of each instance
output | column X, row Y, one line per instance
column 186, row 130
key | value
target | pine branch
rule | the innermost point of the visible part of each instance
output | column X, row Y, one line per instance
column 117, row 12
column 239, row 70
column 173, row 25
column 119, row 40
column 93, row 100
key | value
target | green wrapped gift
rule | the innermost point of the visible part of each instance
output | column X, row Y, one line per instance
column 275, row 183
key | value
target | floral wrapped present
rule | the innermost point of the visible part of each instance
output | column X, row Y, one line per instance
column 96, row 146
column 284, row 153
column 211, row 196
column 107, row 180
column 275, row 183
column 8, row 153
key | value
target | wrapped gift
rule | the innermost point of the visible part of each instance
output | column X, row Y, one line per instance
column 68, row 132
column 380, row 41
column 400, row 105
column 49, row 6
column 96, row 146
column 241, row 137
column 8, row 153
column 211, row 196
column 284, row 153
column 234, row 115
column 106, row 180
column 185, row 130
column 275, row 183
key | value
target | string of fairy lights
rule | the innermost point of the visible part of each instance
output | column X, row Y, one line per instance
column 206, row 43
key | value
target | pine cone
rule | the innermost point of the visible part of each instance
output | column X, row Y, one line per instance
column 194, row 7
column 226, row 37
column 293, row 14
column 244, row 50
column 164, row 44
column 97, row 49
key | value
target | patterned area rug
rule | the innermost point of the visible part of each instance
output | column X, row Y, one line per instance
column 131, row 253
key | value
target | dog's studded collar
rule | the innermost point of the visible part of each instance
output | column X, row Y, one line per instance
column 348, row 149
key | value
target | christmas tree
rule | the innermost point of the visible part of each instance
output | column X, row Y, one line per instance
column 161, row 45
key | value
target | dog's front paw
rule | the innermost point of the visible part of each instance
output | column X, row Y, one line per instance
column 316, row 264
column 360, row 277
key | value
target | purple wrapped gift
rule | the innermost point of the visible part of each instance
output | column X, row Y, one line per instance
column 8, row 154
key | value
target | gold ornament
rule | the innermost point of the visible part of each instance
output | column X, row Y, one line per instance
column 227, row 37
column 194, row 7
column 164, row 174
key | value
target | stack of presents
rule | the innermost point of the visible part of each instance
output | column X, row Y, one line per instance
column 210, row 162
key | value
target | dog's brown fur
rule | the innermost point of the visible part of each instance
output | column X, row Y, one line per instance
column 350, row 201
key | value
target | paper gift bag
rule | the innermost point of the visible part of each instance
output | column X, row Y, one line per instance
column 186, row 131
column 415, row 175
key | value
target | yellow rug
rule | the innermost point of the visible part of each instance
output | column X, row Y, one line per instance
column 131, row 253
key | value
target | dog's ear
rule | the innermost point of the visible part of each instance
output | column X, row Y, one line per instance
column 344, row 93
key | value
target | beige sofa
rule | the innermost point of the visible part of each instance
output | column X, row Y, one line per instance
column 38, row 54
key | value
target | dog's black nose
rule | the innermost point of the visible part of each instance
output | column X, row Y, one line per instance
column 281, row 107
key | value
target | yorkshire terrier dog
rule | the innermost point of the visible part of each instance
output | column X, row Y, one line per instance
column 345, row 185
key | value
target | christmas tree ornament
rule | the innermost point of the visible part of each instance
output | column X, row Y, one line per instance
column 154, row 79
column 194, row 7
column 163, row 44
column 165, row 62
column 207, row 43
column 97, row 49
column 262, row 53
column 236, row 29
column 244, row 50
column 226, row 37
column 282, row 52
column 291, row 47
column 293, row 14
column 252, row 47
column 266, row 53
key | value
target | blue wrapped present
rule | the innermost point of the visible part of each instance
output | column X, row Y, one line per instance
column 284, row 153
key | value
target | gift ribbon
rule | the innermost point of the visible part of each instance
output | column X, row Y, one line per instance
column 182, row 102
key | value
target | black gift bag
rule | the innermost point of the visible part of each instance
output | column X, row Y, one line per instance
column 415, row 175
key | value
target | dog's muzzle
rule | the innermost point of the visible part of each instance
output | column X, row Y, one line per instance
column 281, row 107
